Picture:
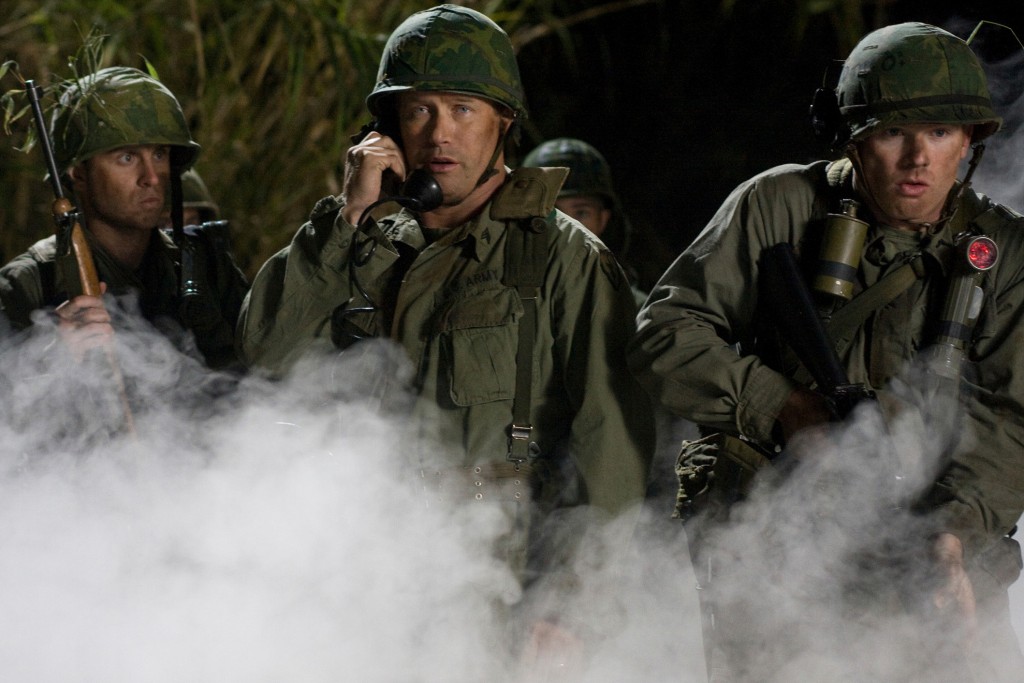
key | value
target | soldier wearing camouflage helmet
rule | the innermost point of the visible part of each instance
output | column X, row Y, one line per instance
column 911, row 103
column 120, row 141
column 509, row 312
column 197, row 204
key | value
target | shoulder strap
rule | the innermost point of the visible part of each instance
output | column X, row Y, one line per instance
column 847, row 320
column 526, row 249
column 523, row 201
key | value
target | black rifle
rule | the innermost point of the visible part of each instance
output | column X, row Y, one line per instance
column 803, row 330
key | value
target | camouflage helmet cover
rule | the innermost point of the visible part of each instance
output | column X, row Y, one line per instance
column 914, row 73
column 450, row 49
column 589, row 173
column 116, row 107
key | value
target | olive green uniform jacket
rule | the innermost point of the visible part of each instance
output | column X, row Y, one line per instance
column 448, row 307
column 710, row 299
column 38, row 279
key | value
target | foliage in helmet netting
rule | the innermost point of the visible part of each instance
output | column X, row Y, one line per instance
column 117, row 107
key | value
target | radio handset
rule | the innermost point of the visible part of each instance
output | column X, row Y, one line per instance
column 420, row 192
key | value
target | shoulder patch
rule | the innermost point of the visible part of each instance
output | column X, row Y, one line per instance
column 528, row 192
column 612, row 269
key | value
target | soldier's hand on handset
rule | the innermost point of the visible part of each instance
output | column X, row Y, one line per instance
column 365, row 165
column 84, row 323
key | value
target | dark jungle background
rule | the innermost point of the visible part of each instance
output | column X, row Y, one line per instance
column 685, row 98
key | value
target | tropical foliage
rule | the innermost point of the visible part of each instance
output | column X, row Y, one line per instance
column 272, row 88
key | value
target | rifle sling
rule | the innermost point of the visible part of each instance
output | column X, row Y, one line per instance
column 976, row 215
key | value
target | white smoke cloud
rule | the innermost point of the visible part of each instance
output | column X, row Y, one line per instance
column 1000, row 175
column 827, row 575
column 276, row 531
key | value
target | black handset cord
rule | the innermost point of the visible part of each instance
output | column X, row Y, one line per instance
column 419, row 193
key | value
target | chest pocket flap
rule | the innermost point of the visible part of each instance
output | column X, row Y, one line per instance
column 479, row 331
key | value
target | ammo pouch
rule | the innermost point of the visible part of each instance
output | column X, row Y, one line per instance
column 714, row 472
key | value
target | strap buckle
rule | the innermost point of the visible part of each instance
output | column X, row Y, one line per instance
column 519, row 442
column 521, row 432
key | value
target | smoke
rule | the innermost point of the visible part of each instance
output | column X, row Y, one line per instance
column 1001, row 174
column 825, row 574
column 257, row 531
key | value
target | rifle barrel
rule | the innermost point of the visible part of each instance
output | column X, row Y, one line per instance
column 34, row 96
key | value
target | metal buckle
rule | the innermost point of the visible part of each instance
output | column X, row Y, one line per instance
column 521, row 432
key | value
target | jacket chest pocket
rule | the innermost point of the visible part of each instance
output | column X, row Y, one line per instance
column 479, row 336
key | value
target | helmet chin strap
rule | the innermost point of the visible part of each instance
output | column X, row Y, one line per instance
column 490, row 172
column 177, row 212
column 948, row 209
column 977, row 151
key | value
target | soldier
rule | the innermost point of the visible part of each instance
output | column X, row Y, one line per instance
column 120, row 140
column 197, row 205
column 588, row 195
column 911, row 103
column 510, row 312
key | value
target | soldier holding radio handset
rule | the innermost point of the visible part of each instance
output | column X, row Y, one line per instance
column 508, row 310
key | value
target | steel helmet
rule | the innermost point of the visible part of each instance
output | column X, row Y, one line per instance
column 589, row 173
column 451, row 49
column 116, row 107
column 195, row 195
column 913, row 73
